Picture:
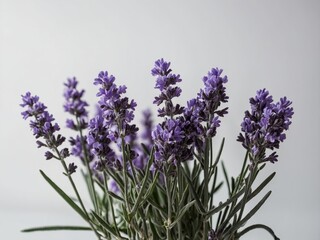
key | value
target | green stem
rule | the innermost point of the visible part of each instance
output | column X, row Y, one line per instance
column 125, row 190
column 76, row 192
column 111, row 203
column 206, row 186
column 86, row 160
column 238, row 183
column 180, row 189
column 168, row 190
column 247, row 188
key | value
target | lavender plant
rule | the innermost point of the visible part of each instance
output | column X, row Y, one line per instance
column 160, row 183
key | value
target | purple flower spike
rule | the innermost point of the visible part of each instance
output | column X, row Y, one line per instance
column 99, row 141
column 264, row 126
column 117, row 111
column 113, row 123
column 172, row 145
column 42, row 125
column 213, row 94
column 75, row 105
column 165, row 81
column 203, row 113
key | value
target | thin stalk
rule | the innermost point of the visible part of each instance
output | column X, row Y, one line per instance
column 247, row 188
column 125, row 183
column 76, row 191
column 168, row 188
column 86, row 160
column 133, row 173
column 145, row 227
column 206, row 187
column 110, row 202
column 213, row 187
column 180, row 189
column 239, row 181
column 125, row 174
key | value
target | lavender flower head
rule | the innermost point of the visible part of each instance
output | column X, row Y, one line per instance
column 99, row 143
column 164, row 82
column 265, row 125
column 212, row 96
column 203, row 113
column 43, row 126
column 75, row 105
column 117, row 111
column 171, row 144
column 113, row 124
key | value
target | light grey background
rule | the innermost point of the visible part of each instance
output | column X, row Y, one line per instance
column 259, row 44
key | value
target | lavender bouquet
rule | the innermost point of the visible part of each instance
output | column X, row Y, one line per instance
column 160, row 183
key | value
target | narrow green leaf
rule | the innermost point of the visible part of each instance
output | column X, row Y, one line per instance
column 251, row 196
column 194, row 193
column 223, row 205
column 182, row 212
column 216, row 188
column 212, row 168
column 157, row 206
column 145, row 149
column 256, row 226
column 261, row 186
column 90, row 188
column 226, row 178
column 220, row 151
column 65, row 196
column 105, row 225
column 57, row 228
column 236, row 226
column 151, row 188
column 153, row 230
column 183, row 197
column 143, row 187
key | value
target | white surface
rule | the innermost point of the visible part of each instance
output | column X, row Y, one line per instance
column 259, row 44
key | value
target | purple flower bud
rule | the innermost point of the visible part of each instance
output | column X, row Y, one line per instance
column 41, row 144
column 72, row 168
column 64, row 153
column 48, row 155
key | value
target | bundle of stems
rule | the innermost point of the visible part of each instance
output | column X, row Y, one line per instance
column 161, row 184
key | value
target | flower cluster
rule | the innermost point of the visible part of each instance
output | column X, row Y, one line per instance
column 114, row 122
column 75, row 105
column 172, row 144
column 199, row 120
column 43, row 126
column 165, row 81
column 203, row 112
column 99, row 143
column 263, row 128
column 117, row 111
